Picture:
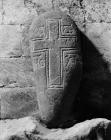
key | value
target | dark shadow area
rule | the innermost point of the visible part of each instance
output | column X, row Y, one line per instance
column 94, row 97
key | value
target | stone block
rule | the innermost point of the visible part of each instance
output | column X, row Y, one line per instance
column 14, row 40
column 0, row 18
column 18, row 102
column 62, row 4
column 71, row 7
column 16, row 12
column 16, row 72
column 25, row 39
column 1, row 11
column 89, row 2
column 97, row 11
column 10, row 41
column 55, row 49
column 41, row 6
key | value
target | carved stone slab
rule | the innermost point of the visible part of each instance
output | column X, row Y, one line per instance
column 57, row 63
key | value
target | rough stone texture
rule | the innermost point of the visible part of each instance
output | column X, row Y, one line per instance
column 16, row 72
column 18, row 102
column 97, row 10
column 74, row 8
column 0, row 18
column 9, row 128
column 91, row 16
column 10, row 41
column 30, row 129
column 56, row 56
column 1, row 10
column 41, row 6
column 16, row 77
column 16, row 12
column 16, row 17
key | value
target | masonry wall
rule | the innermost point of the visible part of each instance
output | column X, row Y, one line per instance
column 17, row 89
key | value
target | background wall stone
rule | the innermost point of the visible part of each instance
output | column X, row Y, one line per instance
column 93, row 18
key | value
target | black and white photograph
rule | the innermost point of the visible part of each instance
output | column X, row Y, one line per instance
column 55, row 69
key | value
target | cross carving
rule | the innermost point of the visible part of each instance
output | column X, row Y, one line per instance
column 50, row 56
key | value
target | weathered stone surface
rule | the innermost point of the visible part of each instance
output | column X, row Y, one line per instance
column 16, row 72
column 30, row 129
column 97, row 11
column 96, row 84
column 17, row 102
column 14, row 43
column 64, row 5
column 73, row 8
column 78, row 15
column 55, row 46
column 1, row 10
column 0, row 18
column 25, row 38
column 10, row 41
column 16, row 12
column 10, row 128
column 14, row 40
column 41, row 6
column 16, row 77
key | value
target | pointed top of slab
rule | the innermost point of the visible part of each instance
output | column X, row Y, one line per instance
column 61, row 23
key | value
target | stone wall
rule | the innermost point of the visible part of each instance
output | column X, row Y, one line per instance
column 17, row 90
